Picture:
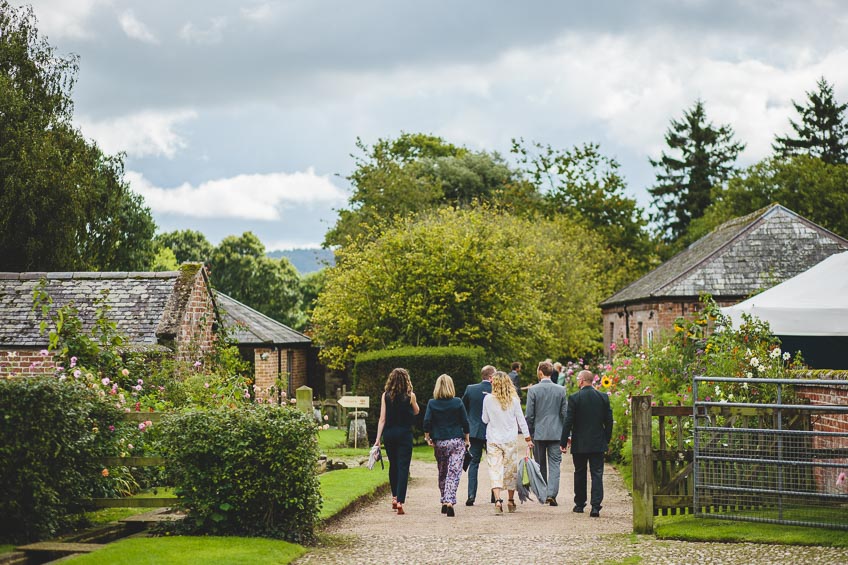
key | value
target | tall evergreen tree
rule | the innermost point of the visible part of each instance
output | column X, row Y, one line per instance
column 702, row 155
column 822, row 132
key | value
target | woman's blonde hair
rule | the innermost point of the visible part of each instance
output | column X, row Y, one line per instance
column 444, row 387
column 503, row 389
column 398, row 385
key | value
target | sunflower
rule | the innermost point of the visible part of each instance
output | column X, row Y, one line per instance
column 606, row 382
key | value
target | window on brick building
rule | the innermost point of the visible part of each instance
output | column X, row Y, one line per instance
column 639, row 334
column 612, row 332
column 650, row 336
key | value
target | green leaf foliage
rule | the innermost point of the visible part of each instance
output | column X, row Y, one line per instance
column 64, row 205
column 249, row 471
column 701, row 156
column 187, row 245
column 51, row 437
column 822, row 131
column 519, row 289
column 425, row 365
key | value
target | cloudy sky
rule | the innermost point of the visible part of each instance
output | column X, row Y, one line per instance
column 242, row 116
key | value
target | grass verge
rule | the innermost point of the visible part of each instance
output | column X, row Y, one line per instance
column 341, row 489
column 691, row 528
column 185, row 550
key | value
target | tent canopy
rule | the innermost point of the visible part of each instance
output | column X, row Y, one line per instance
column 814, row 303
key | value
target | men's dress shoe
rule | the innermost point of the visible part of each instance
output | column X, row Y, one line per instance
column 470, row 501
column 595, row 513
column 552, row 502
column 577, row 509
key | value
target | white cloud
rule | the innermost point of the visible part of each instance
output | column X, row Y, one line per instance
column 250, row 197
column 65, row 18
column 135, row 28
column 261, row 13
column 190, row 33
column 141, row 134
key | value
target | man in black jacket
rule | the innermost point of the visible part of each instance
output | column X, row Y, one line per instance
column 589, row 423
column 473, row 401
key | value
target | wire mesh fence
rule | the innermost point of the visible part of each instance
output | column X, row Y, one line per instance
column 771, row 450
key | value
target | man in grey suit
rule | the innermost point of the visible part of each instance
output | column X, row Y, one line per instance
column 546, row 411
column 473, row 401
column 589, row 422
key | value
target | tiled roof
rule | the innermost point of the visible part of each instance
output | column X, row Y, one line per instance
column 249, row 327
column 738, row 258
column 137, row 303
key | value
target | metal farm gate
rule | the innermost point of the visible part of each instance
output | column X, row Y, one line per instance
column 771, row 450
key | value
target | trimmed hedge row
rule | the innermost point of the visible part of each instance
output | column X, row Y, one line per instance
column 425, row 365
column 52, row 436
column 248, row 472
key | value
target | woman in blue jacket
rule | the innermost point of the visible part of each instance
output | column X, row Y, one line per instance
column 446, row 429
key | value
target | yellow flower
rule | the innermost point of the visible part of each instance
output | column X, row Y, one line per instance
column 606, row 382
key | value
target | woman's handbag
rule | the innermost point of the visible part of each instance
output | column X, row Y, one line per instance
column 373, row 456
column 466, row 460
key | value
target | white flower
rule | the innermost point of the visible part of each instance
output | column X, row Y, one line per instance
column 755, row 362
column 748, row 352
column 717, row 390
column 774, row 353
column 786, row 356
column 745, row 385
column 749, row 375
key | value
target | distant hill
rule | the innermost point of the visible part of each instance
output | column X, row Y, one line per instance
column 306, row 260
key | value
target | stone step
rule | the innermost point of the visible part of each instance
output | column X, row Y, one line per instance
column 161, row 515
column 60, row 548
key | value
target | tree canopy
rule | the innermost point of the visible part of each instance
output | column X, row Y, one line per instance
column 473, row 276
column 187, row 245
column 417, row 172
column 822, row 131
column 64, row 205
column 241, row 270
column 702, row 155
column 806, row 185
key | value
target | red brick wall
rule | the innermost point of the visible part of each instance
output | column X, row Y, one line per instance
column 266, row 369
column 26, row 362
column 656, row 318
column 195, row 338
column 824, row 395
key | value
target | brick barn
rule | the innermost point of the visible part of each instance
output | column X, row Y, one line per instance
column 173, row 313
column 737, row 259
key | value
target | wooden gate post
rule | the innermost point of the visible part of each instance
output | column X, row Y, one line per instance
column 643, row 466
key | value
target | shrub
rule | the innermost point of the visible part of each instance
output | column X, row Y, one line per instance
column 424, row 364
column 247, row 471
column 51, row 439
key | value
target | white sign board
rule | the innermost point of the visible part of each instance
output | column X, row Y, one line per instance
column 354, row 401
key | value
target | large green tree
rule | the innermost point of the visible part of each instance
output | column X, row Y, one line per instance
column 64, row 205
column 806, row 185
column 473, row 276
column 187, row 245
column 415, row 173
column 581, row 184
column 822, row 131
column 241, row 270
column 701, row 156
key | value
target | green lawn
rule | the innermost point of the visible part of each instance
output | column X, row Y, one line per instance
column 184, row 550
column 691, row 528
column 332, row 445
column 342, row 488
column 107, row 515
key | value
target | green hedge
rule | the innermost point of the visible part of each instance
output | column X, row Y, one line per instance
column 52, row 436
column 424, row 364
column 248, row 471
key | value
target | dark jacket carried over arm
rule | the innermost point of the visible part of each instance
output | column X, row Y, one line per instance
column 588, row 421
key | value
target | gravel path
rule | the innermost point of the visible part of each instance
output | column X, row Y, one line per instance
column 534, row 534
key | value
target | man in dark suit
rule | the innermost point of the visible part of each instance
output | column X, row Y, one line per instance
column 546, row 411
column 473, row 401
column 589, row 423
column 515, row 378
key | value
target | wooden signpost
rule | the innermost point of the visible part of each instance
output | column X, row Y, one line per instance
column 355, row 402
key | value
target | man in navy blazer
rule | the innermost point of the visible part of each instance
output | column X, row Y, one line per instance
column 473, row 401
column 589, row 423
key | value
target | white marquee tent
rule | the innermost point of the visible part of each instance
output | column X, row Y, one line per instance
column 814, row 303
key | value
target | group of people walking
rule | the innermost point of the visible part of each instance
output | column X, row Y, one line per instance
column 489, row 416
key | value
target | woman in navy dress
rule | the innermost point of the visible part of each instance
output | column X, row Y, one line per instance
column 398, row 408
